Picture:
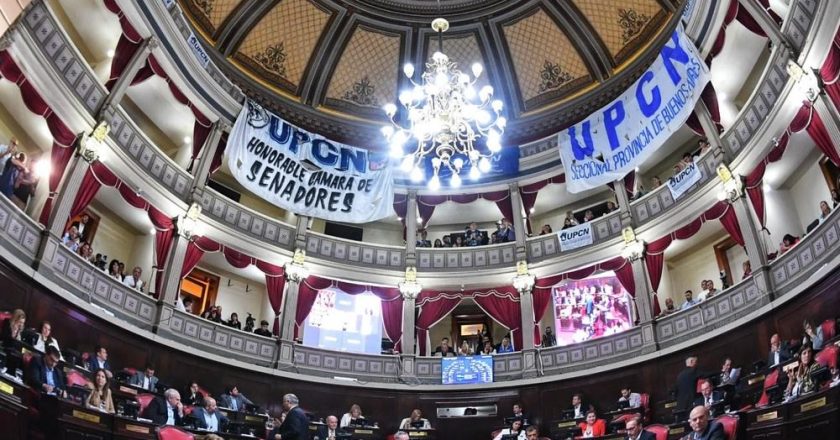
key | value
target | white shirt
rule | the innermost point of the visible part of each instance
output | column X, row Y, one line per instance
column 702, row 295
column 635, row 400
column 212, row 421
column 345, row 420
column 145, row 382
column 131, row 282
column 507, row 431
column 170, row 414
column 42, row 347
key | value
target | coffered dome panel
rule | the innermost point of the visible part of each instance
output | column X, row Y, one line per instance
column 464, row 49
column 280, row 46
column 366, row 75
column 211, row 14
column 623, row 26
column 544, row 58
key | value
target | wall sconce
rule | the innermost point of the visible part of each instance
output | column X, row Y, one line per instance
column 89, row 146
column 732, row 185
column 524, row 281
column 295, row 270
column 188, row 223
column 409, row 287
column 634, row 249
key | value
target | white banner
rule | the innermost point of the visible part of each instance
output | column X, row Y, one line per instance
column 615, row 139
column 685, row 179
column 305, row 173
column 575, row 237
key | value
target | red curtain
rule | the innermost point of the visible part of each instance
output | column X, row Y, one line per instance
column 97, row 175
column 830, row 71
column 503, row 309
column 164, row 234
column 434, row 306
column 731, row 13
column 426, row 204
column 216, row 163
column 307, row 293
column 809, row 120
column 275, row 284
column 529, row 193
column 195, row 250
column 127, row 46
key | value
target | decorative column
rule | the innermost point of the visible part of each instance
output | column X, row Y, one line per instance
column 523, row 282
column 411, row 230
column 766, row 22
column 829, row 115
column 624, row 212
column 296, row 274
column 634, row 251
column 410, row 289
column 201, row 167
column 137, row 61
column 518, row 220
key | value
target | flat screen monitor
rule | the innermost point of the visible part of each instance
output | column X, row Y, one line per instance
column 343, row 322
column 590, row 308
column 466, row 370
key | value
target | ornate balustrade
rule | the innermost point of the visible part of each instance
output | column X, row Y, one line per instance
column 353, row 253
column 810, row 255
column 544, row 247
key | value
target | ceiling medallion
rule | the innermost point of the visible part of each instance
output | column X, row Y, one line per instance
column 445, row 121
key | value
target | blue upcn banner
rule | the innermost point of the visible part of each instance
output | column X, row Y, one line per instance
column 306, row 173
column 618, row 137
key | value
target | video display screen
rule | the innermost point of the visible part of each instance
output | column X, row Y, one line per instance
column 343, row 322
column 590, row 308
column 464, row 370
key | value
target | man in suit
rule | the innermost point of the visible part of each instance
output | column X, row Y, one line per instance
column 167, row 410
column 444, row 349
column 145, row 379
column 296, row 425
column 330, row 430
column 233, row 399
column 46, row 376
column 702, row 428
column 99, row 360
column 686, row 386
column 208, row 418
column 635, row 431
column 708, row 395
column 82, row 227
column 634, row 400
column 578, row 407
column 779, row 353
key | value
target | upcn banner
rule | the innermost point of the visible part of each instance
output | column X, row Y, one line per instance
column 305, row 173
column 681, row 182
column 614, row 140
column 575, row 237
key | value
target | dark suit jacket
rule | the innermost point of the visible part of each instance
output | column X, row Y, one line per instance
column 93, row 365
column 38, row 375
column 784, row 355
column 714, row 431
column 645, row 435
column 323, row 432
column 156, row 412
column 717, row 397
column 686, row 387
column 295, row 427
column 241, row 401
column 139, row 377
column 197, row 400
column 198, row 415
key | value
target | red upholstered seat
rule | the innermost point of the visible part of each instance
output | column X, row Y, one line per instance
column 827, row 357
column 188, row 409
column 660, row 431
column 390, row 437
column 4, row 316
column 828, row 329
column 698, row 384
column 76, row 378
column 645, row 407
column 144, row 400
column 495, row 433
column 173, row 433
column 769, row 381
column 730, row 426
column 204, row 392
column 129, row 370
column 27, row 359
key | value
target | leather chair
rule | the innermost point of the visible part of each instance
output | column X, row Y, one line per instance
column 495, row 433
column 828, row 329
column 827, row 357
column 769, row 381
column 730, row 426
column 76, row 378
column 645, row 407
column 660, row 431
column 144, row 400
column 173, row 433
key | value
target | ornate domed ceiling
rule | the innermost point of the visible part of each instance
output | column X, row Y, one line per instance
column 330, row 66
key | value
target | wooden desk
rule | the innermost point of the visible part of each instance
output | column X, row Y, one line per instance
column 77, row 422
column 558, row 428
column 815, row 416
column 199, row 435
column 14, row 400
column 364, row 433
column 678, row 430
column 127, row 428
column 424, row 434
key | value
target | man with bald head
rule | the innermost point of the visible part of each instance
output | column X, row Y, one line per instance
column 330, row 430
column 296, row 424
column 702, row 428
column 779, row 352
column 208, row 418
column 635, row 431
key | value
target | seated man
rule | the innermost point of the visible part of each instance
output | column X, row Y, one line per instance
column 263, row 330
column 779, row 353
column 233, row 399
column 708, row 396
column 520, row 413
column 505, row 346
column 45, row 375
column 167, row 410
column 729, row 375
column 635, row 431
column 329, row 431
column 472, row 236
column 578, row 408
column 208, row 418
column 532, row 433
column 145, row 379
column 134, row 280
column 444, row 349
column 99, row 360
column 688, row 301
column 702, row 428
column 634, row 400
column 669, row 307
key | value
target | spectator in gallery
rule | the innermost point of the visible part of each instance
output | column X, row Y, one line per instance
column 86, row 252
column 459, row 241
column 687, row 159
column 234, row 321
column 705, row 291
column 835, row 198
column 505, row 233
column 813, row 335
column 567, row 223
column 422, row 241
column 488, row 348
column 24, row 186
column 546, row 229
column 7, row 151
column 71, row 239
column 747, row 268
column 114, row 270
column 593, row 426
column 570, row 216
column 473, row 235
column 14, row 166
column 688, row 301
column 669, row 307
column 588, row 216
column 263, row 330
column 447, row 241
column 444, row 349
column 825, row 211
column 655, row 182
column 548, row 339
column 100, row 396
column 464, row 349
column 83, row 226
column 438, row 243
column 122, row 269
column 505, row 346
column 184, row 304
column 704, row 146
column 134, row 280
column 611, row 207
column 788, row 241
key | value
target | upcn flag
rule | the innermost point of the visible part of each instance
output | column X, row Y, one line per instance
column 306, row 173
column 615, row 139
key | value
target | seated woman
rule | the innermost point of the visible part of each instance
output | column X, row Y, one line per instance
column 799, row 378
column 788, row 241
column 465, row 349
column 100, row 397
column 13, row 328
column 415, row 421
column 825, row 211
column 355, row 413
column 45, row 338
column 515, row 429
column 593, row 426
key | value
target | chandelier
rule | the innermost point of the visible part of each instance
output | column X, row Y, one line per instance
column 444, row 120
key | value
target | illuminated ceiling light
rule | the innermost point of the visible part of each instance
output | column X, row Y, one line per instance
column 110, row 53
column 187, row 140
column 445, row 119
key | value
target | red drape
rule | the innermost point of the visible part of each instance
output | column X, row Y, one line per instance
column 830, row 71
column 426, row 204
column 434, row 306
column 755, row 179
column 720, row 41
column 529, row 194
column 809, row 120
column 216, row 163
column 195, row 250
column 127, row 46
column 275, row 283
column 505, row 310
